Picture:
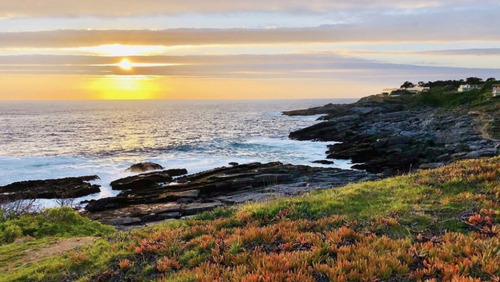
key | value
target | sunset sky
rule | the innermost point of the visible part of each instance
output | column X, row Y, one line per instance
column 231, row 49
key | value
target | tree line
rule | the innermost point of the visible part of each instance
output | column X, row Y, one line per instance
column 444, row 83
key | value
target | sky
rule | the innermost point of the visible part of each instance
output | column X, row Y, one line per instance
column 232, row 49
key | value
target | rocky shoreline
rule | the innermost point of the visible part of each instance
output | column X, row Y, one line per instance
column 387, row 137
column 192, row 194
column 383, row 136
column 170, row 194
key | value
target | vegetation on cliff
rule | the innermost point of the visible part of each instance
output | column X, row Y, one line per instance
column 437, row 224
column 443, row 94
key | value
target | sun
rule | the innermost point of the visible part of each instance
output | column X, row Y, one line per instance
column 125, row 64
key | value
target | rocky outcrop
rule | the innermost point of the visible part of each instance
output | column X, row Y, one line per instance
column 207, row 190
column 388, row 137
column 146, row 180
column 143, row 167
column 70, row 187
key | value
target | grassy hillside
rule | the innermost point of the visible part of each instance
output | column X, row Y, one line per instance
column 437, row 224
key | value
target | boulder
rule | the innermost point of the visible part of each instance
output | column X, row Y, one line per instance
column 142, row 167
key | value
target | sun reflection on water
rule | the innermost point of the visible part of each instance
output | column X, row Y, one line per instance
column 125, row 87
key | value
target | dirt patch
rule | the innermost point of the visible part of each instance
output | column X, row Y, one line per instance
column 58, row 247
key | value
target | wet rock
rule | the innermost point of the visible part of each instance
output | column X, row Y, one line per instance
column 146, row 180
column 142, row 167
column 233, row 163
column 325, row 162
column 193, row 194
column 70, row 187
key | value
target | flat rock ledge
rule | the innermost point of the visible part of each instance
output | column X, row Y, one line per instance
column 192, row 194
column 69, row 187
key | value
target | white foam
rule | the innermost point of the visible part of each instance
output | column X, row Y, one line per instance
column 195, row 136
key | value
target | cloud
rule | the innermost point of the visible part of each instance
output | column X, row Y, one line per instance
column 292, row 66
column 467, row 52
column 58, row 8
column 175, row 37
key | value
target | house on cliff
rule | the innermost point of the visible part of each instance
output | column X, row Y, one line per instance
column 399, row 91
column 467, row 88
column 496, row 90
column 388, row 91
column 417, row 89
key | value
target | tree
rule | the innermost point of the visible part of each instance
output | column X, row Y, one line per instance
column 491, row 79
column 421, row 83
column 407, row 84
column 474, row 80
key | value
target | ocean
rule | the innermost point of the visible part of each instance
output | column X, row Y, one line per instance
column 54, row 139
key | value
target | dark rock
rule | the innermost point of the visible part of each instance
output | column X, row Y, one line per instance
column 443, row 158
column 70, row 187
column 169, row 215
column 325, row 162
column 150, row 217
column 490, row 152
column 176, row 171
column 195, row 208
column 97, row 205
column 185, row 200
column 385, row 135
column 142, row 167
column 199, row 192
column 124, row 221
column 233, row 163
column 146, row 180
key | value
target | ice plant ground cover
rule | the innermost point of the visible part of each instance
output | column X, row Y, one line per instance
column 439, row 224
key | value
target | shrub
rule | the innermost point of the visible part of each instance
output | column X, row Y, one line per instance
column 51, row 222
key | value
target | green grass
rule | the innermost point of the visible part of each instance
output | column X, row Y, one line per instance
column 61, row 222
column 10, row 254
column 441, row 224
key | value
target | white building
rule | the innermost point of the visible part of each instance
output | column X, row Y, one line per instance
column 413, row 90
column 417, row 89
column 467, row 87
column 388, row 91
column 496, row 90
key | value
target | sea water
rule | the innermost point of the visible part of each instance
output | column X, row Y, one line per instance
column 54, row 139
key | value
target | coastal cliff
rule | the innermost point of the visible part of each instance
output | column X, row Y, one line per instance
column 395, row 135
